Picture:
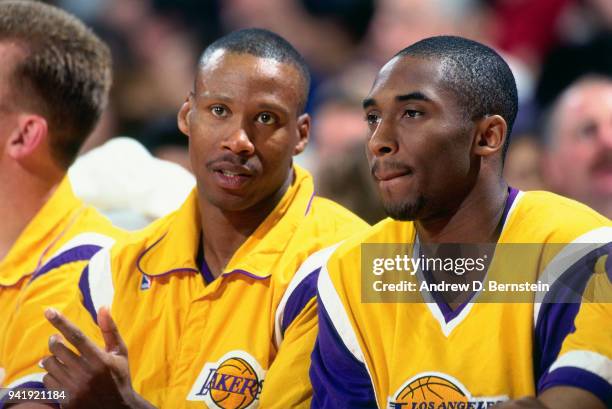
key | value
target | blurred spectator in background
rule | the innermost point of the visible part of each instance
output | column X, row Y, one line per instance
column 338, row 153
column 339, row 117
column 522, row 169
column 155, row 43
column 349, row 182
column 584, row 46
column 327, row 32
column 129, row 185
column 578, row 137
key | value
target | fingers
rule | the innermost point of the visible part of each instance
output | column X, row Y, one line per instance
column 50, row 382
column 75, row 336
column 112, row 339
column 60, row 375
column 72, row 361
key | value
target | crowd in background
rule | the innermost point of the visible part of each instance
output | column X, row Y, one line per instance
column 549, row 44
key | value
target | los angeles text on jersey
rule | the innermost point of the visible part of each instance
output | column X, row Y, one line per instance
column 443, row 405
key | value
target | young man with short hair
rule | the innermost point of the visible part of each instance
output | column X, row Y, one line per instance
column 440, row 114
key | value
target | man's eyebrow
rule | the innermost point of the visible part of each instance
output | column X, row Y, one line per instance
column 368, row 102
column 419, row 96
column 273, row 107
column 210, row 95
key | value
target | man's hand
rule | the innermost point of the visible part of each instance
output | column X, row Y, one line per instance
column 97, row 378
column 558, row 397
column 523, row 403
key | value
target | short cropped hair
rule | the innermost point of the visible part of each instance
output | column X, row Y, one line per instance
column 479, row 77
column 264, row 44
column 65, row 73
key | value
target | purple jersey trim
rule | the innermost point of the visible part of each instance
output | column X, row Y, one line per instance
column 301, row 295
column 338, row 380
column 80, row 253
column 578, row 378
column 512, row 194
column 560, row 307
column 447, row 312
column 309, row 204
column 206, row 273
column 248, row 274
column 175, row 270
column 189, row 269
column 86, row 292
column 570, row 285
column 27, row 385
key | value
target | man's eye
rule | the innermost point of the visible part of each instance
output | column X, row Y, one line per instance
column 266, row 118
column 372, row 119
column 411, row 113
column 219, row 111
column 587, row 131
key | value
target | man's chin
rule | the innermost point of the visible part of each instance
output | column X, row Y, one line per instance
column 228, row 202
column 404, row 211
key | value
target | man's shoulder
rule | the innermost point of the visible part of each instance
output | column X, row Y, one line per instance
column 324, row 210
column 347, row 255
column 132, row 244
column 326, row 223
column 547, row 217
column 91, row 220
column 85, row 235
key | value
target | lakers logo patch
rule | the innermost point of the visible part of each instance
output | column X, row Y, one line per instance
column 233, row 382
column 435, row 390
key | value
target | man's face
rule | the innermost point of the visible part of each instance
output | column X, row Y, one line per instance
column 419, row 145
column 244, row 127
column 580, row 155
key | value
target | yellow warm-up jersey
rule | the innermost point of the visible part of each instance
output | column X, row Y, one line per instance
column 241, row 340
column 43, row 269
column 427, row 355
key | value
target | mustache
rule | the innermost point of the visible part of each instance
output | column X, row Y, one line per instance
column 388, row 165
column 232, row 159
column 602, row 160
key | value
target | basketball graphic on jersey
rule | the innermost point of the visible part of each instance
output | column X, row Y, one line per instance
column 429, row 390
column 233, row 382
column 241, row 374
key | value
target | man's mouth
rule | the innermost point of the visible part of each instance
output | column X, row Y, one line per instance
column 230, row 173
column 387, row 176
column 230, row 176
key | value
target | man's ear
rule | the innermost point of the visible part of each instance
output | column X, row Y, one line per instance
column 303, row 124
column 31, row 131
column 184, row 114
column 491, row 134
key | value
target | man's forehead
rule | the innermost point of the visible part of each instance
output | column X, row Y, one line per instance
column 596, row 93
column 404, row 74
column 223, row 62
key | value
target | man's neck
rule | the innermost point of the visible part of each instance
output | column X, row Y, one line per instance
column 475, row 220
column 22, row 198
column 224, row 231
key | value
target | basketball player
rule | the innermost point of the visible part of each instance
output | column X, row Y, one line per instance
column 208, row 300
column 440, row 114
column 55, row 75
